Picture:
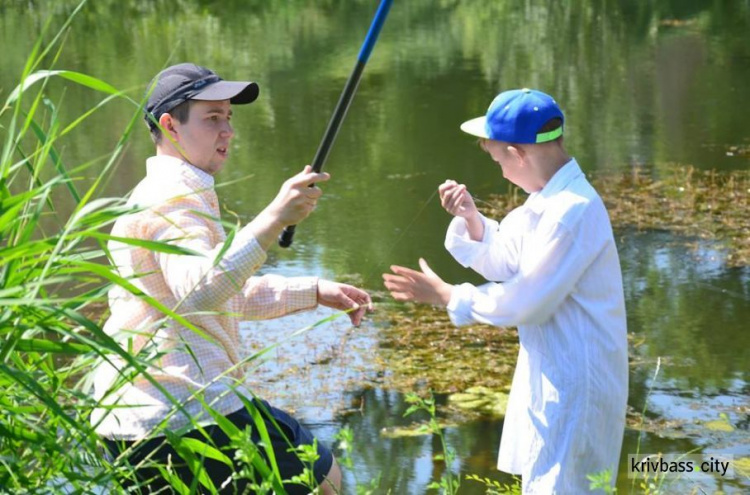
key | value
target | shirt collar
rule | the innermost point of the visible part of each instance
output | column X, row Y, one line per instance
column 170, row 168
column 564, row 176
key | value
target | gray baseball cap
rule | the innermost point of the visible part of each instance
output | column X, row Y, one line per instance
column 182, row 82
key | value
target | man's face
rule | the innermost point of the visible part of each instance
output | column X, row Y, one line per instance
column 204, row 138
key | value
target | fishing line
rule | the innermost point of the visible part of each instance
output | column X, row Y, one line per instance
column 408, row 229
column 720, row 290
column 392, row 247
column 477, row 200
column 366, row 281
column 401, row 236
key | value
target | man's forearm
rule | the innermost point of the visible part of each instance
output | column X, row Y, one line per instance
column 266, row 229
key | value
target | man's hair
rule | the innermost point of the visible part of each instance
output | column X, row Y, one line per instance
column 181, row 113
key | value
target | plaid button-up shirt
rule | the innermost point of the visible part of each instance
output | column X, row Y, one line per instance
column 178, row 205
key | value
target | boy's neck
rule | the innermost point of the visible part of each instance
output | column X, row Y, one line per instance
column 548, row 160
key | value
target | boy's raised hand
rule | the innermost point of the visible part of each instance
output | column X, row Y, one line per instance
column 456, row 200
column 426, row 286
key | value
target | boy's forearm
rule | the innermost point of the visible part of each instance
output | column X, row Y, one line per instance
column 475, row 227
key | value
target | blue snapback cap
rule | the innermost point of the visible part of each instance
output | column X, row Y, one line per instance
column 516, row 116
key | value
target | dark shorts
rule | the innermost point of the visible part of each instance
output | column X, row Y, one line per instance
column 289, row 431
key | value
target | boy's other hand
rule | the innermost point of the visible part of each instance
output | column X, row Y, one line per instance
column 426, row 286
column 457, row 201
column 343, row 297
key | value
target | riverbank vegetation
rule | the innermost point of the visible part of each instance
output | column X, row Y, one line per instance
column 681, row 199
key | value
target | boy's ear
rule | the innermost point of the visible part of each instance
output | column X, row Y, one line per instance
column 518, row 152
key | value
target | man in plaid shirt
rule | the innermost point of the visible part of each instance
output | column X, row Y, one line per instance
column 213, row 288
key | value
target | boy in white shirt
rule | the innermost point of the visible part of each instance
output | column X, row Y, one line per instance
column 555, row 274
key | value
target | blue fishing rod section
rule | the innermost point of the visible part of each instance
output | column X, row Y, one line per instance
column 347, row 95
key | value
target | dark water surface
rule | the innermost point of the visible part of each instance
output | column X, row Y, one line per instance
column 646, row 85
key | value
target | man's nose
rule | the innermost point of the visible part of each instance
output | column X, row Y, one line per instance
column 228, row 129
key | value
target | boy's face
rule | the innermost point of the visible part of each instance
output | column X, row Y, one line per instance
column 204, row 138
column 509, row 162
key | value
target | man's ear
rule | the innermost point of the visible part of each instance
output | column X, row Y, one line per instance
column 167, row 122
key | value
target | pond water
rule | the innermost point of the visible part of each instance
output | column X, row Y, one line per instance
column 646, row 86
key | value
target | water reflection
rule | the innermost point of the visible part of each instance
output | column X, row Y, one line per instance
column 649, row 84
column 688, row 306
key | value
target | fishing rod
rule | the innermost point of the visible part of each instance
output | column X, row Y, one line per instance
column 287, row 236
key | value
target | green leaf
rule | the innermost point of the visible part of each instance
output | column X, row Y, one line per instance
column 77, row 77
column 174, row 481
column 36, row 389
column 180, row 444
column 205, row 450
column 41, row 345
column 56, row 160
column 162, row 247
column 260, row 425
column 411, row 410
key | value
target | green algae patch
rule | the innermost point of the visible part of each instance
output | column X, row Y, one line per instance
column 706, row 204
column 425, row 351
column 721, row 424
column 742, row 466
column 413, row 430
column 482, row 400
column 659, row 426
column 679, row 199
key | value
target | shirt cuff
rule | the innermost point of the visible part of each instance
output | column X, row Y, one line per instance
column 461, row 246
column 459, row 306
column 302, row 293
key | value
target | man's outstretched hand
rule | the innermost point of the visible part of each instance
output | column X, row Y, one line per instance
column 406, row 284
column 344, row 297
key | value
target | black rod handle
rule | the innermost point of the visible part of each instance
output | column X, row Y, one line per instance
column 287, row 236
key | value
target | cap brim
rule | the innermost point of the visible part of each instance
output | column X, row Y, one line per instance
column 237, row 92
column 475, row 127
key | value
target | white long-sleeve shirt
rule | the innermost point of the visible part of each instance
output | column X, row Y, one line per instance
column 555, row 275
column 214, row 293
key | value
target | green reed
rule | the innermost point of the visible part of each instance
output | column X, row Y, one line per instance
column 449, row 482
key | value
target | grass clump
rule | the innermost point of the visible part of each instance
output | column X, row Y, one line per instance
column 48, row 275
